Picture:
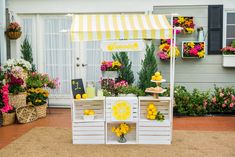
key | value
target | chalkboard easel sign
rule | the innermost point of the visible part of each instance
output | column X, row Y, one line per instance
column 77, row 87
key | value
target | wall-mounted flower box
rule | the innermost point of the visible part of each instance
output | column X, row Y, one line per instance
column 193, row 49
column 228, row 60
column 229, row 55
column 186, row 23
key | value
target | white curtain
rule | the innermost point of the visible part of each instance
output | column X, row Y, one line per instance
column 28, row 27
column 58, row 52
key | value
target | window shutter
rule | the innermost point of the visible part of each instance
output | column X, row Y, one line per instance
column 215, row 29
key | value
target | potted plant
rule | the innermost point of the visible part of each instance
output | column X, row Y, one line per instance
column 110, row 69
column 193, row 49
column 13, row 31
column 165, row 49
column 37, row 91
column 16, row 72
column 229, row 55
column 186, row 23
column 121, row 131
column 8, row 112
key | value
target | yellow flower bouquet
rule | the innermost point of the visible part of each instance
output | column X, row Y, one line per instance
column 37, row 96
column 121, row 131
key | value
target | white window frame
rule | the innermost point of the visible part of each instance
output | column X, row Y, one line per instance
column 225, row 25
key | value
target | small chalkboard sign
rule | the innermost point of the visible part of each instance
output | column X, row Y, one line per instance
column 77, row 87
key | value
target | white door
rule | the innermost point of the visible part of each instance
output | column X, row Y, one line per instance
column 61, row 56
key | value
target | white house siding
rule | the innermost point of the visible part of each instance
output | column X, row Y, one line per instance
column 196, row 73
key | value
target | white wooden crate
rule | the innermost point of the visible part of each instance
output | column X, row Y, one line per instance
column 132, row 136
column 88, row 132
column 153, row 131
column 96, row 104
column 112, row 100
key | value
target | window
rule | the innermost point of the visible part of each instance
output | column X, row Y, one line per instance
column 230, row 27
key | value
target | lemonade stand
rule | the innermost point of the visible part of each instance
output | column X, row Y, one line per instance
column 124, row 120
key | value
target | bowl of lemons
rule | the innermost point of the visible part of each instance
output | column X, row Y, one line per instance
column 89, row 115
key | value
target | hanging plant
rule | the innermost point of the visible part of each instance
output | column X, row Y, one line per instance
column 165, row 49
column 186, row 23
column 13, row 31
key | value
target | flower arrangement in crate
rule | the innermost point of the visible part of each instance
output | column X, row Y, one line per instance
column 16, row 72
column 193, row 49
column 110, row 68
column 121, row 131
column 229, row 55
column 165, row 49
column 37, row 85
column 186, row 23
column 13, row 31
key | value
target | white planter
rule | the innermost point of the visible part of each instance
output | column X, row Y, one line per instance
column 126, row 95
column 110, row 74
column 88, row 117
column 229, row 60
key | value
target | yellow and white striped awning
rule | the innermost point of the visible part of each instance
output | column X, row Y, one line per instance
column 113, row 27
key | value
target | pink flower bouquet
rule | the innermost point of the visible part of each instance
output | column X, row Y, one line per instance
column 110, row 66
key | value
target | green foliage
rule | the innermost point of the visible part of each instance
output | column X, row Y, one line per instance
column 26, row 51
column 130, row 90
column 149, row 67
column 233, row 43
column 15, row 89
column 125, row 73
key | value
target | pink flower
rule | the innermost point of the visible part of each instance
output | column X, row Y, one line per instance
column 231, row 105
column 224, row 105
column 214, row 100
column 221, row 94
column 5, row 99
column 225, row 101
column 233, row 98
column 193, row 51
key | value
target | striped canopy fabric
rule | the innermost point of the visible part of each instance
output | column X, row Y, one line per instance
column 115, row 27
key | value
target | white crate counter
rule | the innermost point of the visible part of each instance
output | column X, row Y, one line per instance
column 88, row 131
column 143, row 131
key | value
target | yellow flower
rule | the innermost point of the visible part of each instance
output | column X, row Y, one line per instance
column 201, row 54
column 161, row 47
column 191, row 44
column 181, row 19
column 189, row 30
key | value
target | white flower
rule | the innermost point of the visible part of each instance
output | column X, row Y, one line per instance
column 16, row 62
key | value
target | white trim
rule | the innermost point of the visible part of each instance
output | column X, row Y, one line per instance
column 225, row 26
column 2, row 35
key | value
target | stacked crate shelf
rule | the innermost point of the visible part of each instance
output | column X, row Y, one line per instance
column 132, row 136
column 88, row 131
column 152, row 131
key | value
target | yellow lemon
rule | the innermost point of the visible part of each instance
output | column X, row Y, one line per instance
column 86, row 112
column 150, row 112
column 151, row 106
column 152, row 117
column 84, row 96
column 155, row 113
column 154, row 78
column 78, row 96
column 159, row 78
column 91, row 112
column 157, row 74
